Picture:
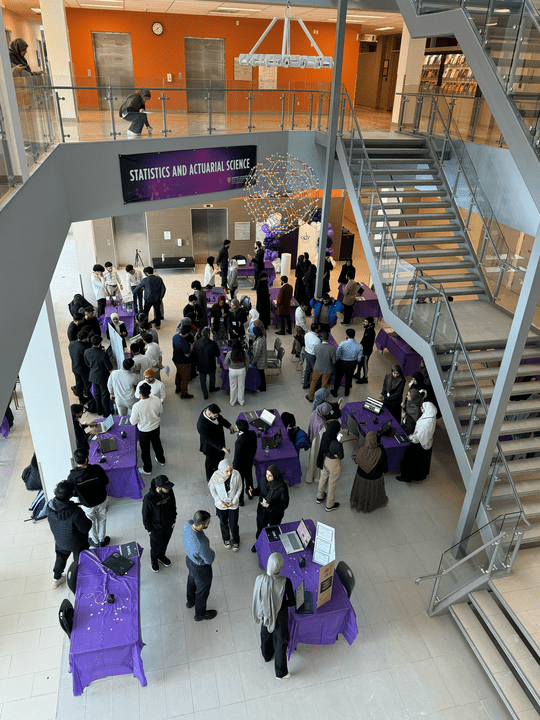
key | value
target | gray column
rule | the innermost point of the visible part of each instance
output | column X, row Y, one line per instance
column 83, row 234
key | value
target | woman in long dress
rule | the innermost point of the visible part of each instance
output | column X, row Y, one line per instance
column 317, row 426
column 273, row 594
column 392, row 391
column 209, row 273
column 417, row 459
column 219, row 320
column 263, row 300
column 368, row 492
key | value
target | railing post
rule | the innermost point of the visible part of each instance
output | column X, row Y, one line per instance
column 413, row 301
column 431, row 117
column 370, row 216
column 451, row 106
column 499, row 281
column 165, row 129
column 310, row 111
column 483, row 248
column 494, row 478
column 49, row 124
column 476, row 113
column 435, row 321
column 319, row 122
column 282, row 124
column 417, row 113
column 453, row 367
column 381, row 250
column 111, row 109
column 401, row 124
column 209, row 98
column 454, row 189
column 60, row 121
column 470, row 426
column 359, row 188
column 293, row 110
column 341, row 120
column 250, row 127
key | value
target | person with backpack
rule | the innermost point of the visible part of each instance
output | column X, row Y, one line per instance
column 90, row 483
column 132, row 110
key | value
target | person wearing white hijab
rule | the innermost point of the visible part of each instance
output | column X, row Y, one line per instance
column 226, row 487
column 253, row 315
column 273, row 594
column 417, row 458
column 232, row 277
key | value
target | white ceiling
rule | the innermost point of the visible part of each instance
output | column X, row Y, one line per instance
column 370, row 20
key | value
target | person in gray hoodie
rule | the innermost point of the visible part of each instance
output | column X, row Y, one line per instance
column 69, row 526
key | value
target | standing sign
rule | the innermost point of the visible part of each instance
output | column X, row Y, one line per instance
column 326, row 583
column 181, row 173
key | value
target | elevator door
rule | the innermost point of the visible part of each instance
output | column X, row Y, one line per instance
column 129, row 236
column 114, row 66
column 208, row 230
column 205, row 68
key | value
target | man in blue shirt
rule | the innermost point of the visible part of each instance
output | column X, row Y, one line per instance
column 199, row 559
column 348, row 354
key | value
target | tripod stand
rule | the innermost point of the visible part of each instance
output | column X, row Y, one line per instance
column 138, row 258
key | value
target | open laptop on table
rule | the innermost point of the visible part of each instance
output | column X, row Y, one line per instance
column 296, row 540
column 264, row 421
column 104, row 426
column 303, row 600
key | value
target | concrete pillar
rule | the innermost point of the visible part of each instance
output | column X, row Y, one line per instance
column 411, row 58
column 46, row 400
column 53, row 18
column 83, row 234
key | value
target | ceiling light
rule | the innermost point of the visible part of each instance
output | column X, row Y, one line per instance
column 502, row 10
column 386, row 28
column 36, row 10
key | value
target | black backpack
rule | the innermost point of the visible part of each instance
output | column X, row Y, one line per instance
column 38, row 509
column 31, row 476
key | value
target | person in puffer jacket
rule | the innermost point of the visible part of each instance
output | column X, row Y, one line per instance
column 69, row 526
column 159, row 517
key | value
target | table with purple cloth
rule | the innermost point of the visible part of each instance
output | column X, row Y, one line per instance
column 248, row 271
column 106, row 637
column 394, row 449
column 126, row 316
column 4, row 427
column 274, row 292
column 327, row 622
column 121, row 464
column 285, row 456
column 253, row 379
column 367, row 306
column 408, row 358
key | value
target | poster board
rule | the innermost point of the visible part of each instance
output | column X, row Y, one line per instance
column 242, row 72
column 242, row 230
column 326, row 583
column 117, row 346
column 267, row 78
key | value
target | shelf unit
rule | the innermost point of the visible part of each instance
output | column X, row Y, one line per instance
column 447, row 71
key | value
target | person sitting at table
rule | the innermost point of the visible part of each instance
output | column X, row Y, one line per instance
column 232, row 277
column 81, row 436
column 245, row 449
column 368, row 492
column 226, row 487
column 273, row 595
column 90, row 483
column 237, row 361
column 193, row 311
column 411, row 408
column 273, row 495
column 347, row 271
column 350, row 291
column 120, row 328
column 159, row 517
column 283, row 306
column 236, row 320
column 219, row 320
column 157, row 388
column 367, row 342
column 145, row 414
column 416, row 461
column 121, row 386
column 199, row 559
column 69, row 526
column 200, row 296
column 263, row 300
column 329, row 460
column 259, row 355
column 206, row 352
column 325, row 359
column 212, row 437
column 392, row 391
column 209, row 280
column 325, row 312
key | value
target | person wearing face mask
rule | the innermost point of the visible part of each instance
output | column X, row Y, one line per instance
column 226, row 487
column 325, row 312
column 159, row 517
column 273, row 499
column 392, row 391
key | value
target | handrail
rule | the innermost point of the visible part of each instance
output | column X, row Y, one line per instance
column 491, row 542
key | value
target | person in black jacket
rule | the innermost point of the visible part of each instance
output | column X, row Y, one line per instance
column 75, row 325
column 223, row 262
column 159, row 517
column 77, row 348
column 79, row 304
column 258, row 263
column 193, row 311
column 392, row 391
column 91, row 322
column 273, row 499
column 206, row 352
column 132, row 110
column 210, row 428
column 154, row 292
column 81, row 437
column 90, row 483
column 263, row 300
column 201, row 302
column 245, row 450
column 69, row 526
column 367, row 342
column 100, row 368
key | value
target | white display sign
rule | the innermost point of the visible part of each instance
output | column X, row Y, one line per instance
column 267, row 78
column 242, row 230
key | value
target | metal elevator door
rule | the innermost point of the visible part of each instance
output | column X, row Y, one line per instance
column 114, row 66
column 130, row 235
column 208, row 230
column 205, row 68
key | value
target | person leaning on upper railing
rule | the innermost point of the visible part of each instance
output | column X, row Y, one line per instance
column 17, row 57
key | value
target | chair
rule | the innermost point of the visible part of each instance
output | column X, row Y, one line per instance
column 277, row 362
column 65, row 617
column 346, row 575
column 245, row 302
column 71, row 577
column 272, row 354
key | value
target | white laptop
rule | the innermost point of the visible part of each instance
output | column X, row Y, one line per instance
column 264, row 421
column 106, row 425
column 296, row 540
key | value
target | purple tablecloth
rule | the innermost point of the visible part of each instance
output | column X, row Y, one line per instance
column 408, row 358
column 127, row 317
column 253, row 379
column 394, row 450
column 369, row 305
column 274, row 292
column 4, row 427
column 106, row 638
column 334, row 617
column 121, row 465
column 248, row 271
column 285, row 456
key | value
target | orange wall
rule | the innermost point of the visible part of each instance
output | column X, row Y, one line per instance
column 154, row 57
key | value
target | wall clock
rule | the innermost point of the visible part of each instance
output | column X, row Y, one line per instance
column 157, row 28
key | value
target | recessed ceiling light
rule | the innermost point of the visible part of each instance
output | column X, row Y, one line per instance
column 36, row 10
column 502, row 10
column 386, row 28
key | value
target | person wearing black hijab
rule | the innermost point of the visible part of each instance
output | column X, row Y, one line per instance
column 309, row 282
column 273, row 499
column 17, row 57
column 392, row 391
column 347, row 271
column 301, row 269
column 263, row 300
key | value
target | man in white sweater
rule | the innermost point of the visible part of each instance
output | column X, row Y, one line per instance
column 157, row 388
column 146, row 416
column 121, row 385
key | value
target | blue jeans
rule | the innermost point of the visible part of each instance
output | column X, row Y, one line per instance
column 202, row 378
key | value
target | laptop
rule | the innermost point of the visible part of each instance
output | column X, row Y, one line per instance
column 240, row 262
column 107, row 444
column 296, row 540
column 386, row 430
column 106, row 425
column 273, row 442
column 264, row 421
column 401, row 438
column 117, row 563
column 373, row 406
column 303, row 600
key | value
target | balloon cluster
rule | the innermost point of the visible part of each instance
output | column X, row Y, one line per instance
column 272, row 243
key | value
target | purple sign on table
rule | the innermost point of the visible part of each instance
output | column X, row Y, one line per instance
column 121, row 464
column 126, row 316
column 180, row 173
column 327, row 622
column 285, row 456
column 368, row 306
column 106, row 637
column 408, row 358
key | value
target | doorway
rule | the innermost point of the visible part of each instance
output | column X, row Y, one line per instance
column 129, row 236
column 113, row 61
column 205, row 68
column 209, row 228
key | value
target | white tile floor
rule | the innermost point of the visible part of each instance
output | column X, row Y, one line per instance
column 402, row 665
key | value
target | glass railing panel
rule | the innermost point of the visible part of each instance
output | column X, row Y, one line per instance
column 387, row 260
column 509, row 523
column 523, row 74
column 461, row 574
column 7, row 179
column 37, row 111
column 403, row 288
column 500, row 35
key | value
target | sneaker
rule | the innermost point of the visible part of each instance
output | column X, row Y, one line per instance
column 334, row 507
column 186, row 396
column 134, row 134
column 150, row 128
column 190, row 604
column 143, row 471
column 208, row 615
column 214, row 389
column 285, row 677
column 235, row 547
column 57, row 583
column 320, row 500
column 165, row 561
column 106, row 540
column 160, row 463
column 154, row 566
column 227, row 544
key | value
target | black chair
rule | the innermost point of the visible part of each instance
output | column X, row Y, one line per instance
column 346, row 575
column 65, row 617
column 71, row 576
column 245, row 302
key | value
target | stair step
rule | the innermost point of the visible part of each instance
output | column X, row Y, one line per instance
column 444, row 240
column 412, row 171
column 444, row 279
column 521, row 467
column 515, row 447
column 395, row 143
column 532, row 535
column 414, row 206
column 414, row 217
column 411, row 193
column 446, row 227
column 521, row 407
column 489, row 355
column 484, row 373
column 397, row 160
column 453, row 264
column 511, row 427
column 435, row 252
column 411, row 152
column 467, row 392
column 503, row 490
column 454, row 291
column 531, row 508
